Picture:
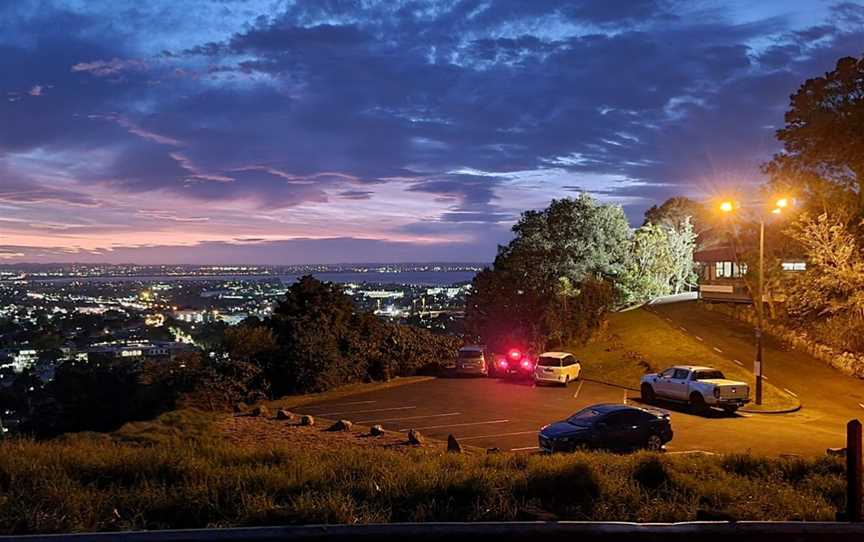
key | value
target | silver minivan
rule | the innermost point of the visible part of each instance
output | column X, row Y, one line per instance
column 472, row 360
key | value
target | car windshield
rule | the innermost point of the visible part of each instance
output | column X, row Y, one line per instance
column 547, row 361
column 469, row 354
column 708, row 375
column 583, row 417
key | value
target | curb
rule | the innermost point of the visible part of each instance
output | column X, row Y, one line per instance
column 789, row 410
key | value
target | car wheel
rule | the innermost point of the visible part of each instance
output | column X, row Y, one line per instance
column 697, row 403
column 566, row 380
column 647, row 393
column 654, row 443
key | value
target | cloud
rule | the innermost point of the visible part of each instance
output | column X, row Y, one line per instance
column 112, row 67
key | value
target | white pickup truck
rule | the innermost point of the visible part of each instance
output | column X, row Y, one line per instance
column 700, row 387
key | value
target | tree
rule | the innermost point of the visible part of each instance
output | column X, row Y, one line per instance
column 529, row 297
column 662, row 260
column 823, row 139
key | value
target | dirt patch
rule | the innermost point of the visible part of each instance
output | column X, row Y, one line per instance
column 249, row 431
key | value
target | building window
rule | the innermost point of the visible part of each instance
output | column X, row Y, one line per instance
column 794, row 266
column 730, row 270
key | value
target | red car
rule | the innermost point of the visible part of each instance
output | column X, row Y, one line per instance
column 515, row 364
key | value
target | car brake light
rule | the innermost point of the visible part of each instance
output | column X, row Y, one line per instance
column 526, row 364
column 502, row 363
column 514, row 354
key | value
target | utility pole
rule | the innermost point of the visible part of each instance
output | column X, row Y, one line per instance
column 757, row 366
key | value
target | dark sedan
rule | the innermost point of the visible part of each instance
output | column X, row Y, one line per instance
column 608, row 426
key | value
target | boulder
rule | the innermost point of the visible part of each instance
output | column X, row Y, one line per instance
column 341, row 425
column 307, row 420
column 261, row 411
column 283, row 414
column 376, row 431
column 453, row 445
column 414, row 437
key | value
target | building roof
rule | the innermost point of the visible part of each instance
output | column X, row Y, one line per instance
column 723, row 254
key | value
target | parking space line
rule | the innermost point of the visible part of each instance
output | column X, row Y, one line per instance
column 859, row 404
column 340, row 405
column 455, row 425
column 790, row 392
column 500, row 435
column 525, row 449
column 738, row 362
column 717, row 350
column 764, row 377
column 578, row 389
column 698, row 338
column 682, row 328
column 324, row 415
column 411, row 417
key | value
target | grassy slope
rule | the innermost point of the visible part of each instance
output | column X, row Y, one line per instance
column 86, row 483
column 639, row 342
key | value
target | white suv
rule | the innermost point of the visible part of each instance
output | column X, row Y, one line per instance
column 557, row 368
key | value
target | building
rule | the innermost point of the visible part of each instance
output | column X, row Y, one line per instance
column 721, row 276
column 157, row 350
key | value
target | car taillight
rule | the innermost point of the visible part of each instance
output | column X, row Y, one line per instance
column 526, row 364
column 515, row 354
column 502, row 363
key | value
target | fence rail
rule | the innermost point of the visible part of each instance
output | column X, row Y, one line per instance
column 499, row 532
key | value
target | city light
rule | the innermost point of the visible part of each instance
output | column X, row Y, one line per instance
column 727, row 206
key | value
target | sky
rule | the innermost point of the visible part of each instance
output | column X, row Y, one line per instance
column 331, row 131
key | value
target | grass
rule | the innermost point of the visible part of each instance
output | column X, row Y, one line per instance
column 89, row 483
column 639, row 342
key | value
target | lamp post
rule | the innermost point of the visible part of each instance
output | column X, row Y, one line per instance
column 758, row 365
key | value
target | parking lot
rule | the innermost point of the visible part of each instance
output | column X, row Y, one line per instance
column 506, row 414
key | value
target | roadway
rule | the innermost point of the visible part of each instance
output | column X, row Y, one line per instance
column 504, row 414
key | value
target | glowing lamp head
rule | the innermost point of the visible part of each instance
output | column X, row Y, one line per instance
column 782, row 203
column 727, row 206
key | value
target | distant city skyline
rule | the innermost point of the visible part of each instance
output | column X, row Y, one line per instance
column 301, row 132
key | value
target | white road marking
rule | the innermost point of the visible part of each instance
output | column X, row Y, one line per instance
column 324, row 415
column 340, row 405
column 525, row 449
column 578, row 389
column 745, row 415
column 790, row 392
column 411, row 417
column 625, row 397
column 698, row 338
column 682, row 452
column 682, row 328
column 738, row 362
column 717, row 350
column 500, row 435
column 455, row 425
column 764, row 377
column 859, row 404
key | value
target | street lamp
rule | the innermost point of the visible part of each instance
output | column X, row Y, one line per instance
column 779, row 204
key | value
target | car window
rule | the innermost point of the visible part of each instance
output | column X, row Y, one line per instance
column 470, row 354
column 548, row 361
column 619, row 419
column 680, row 374
column 586, row 416
column 708, row 375
column 668, row 373
column 570, row 360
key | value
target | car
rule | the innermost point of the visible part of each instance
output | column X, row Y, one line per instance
column 699, row 387
column 556, row 368
column 608, row 426
column 517, row 363
column 471, row 360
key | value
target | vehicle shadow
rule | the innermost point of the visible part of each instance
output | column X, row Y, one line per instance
column 709, row 413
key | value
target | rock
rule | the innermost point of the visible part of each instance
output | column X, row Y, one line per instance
column 414, row 437
column 240, row 408
column 261, row 411
column 453, row 445
column 376, row 431
column 283, row 414
column 307, row 420
column 341, row 425
column 836, row 451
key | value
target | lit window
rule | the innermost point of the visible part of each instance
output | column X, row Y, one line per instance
column 794, row 266
column 728, row 270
